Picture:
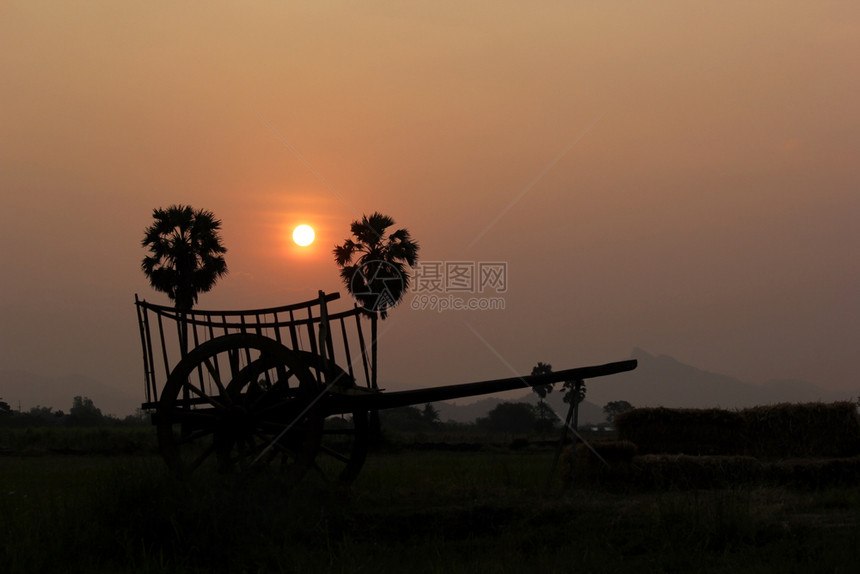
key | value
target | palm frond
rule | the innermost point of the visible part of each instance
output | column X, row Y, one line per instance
column 343, row 254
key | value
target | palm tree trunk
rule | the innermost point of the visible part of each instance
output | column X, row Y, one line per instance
column 183, row 349
column 375, row 426
column 574, row 426
column 560, row 446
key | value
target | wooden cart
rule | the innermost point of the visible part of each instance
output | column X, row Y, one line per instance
column 287, row 387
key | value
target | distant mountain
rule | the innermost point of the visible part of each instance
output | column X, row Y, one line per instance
column 29, row 390
column 660, row 380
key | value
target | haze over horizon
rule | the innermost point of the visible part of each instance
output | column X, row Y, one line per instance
column 677, row 177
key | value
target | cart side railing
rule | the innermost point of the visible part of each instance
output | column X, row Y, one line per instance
column 167, row 335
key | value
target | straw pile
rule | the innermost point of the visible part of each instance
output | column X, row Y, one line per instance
column 812, row 444
column 682, row 431
column 814, row 473
column 809, row 430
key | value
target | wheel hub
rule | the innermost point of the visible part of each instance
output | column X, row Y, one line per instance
column 239, row 420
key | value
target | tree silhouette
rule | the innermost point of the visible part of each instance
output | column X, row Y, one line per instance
column 430, row 413
column 373, row 268
column 575, row 391
column 614, row 408
column 85, row 413
column 373, row 265
column 517, row 418
column 186, row 256
column 542, row 390
column 543, row 411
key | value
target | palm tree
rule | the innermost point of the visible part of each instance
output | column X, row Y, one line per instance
column 574, row 394
column 542, row 391
column 186, row 256
column 373, row 268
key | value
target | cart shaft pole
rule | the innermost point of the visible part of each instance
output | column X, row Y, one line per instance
column 390, row 400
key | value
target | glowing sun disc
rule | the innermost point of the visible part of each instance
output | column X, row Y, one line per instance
column 303, row 235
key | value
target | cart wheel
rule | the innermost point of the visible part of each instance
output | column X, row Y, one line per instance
column 344, row 439
column 244, row 402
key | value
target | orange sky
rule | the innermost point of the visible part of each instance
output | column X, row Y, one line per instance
column 706, row 206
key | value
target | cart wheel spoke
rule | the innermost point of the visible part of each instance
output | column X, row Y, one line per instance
column 190, row 386
column 215, row 374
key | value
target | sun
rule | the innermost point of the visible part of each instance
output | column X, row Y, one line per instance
column 303, row 235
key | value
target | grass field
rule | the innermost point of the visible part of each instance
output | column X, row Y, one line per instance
column 409, row 511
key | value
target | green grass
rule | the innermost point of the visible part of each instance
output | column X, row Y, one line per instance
column 408, row 511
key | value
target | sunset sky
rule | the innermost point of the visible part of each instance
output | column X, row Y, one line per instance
column 682, row 177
